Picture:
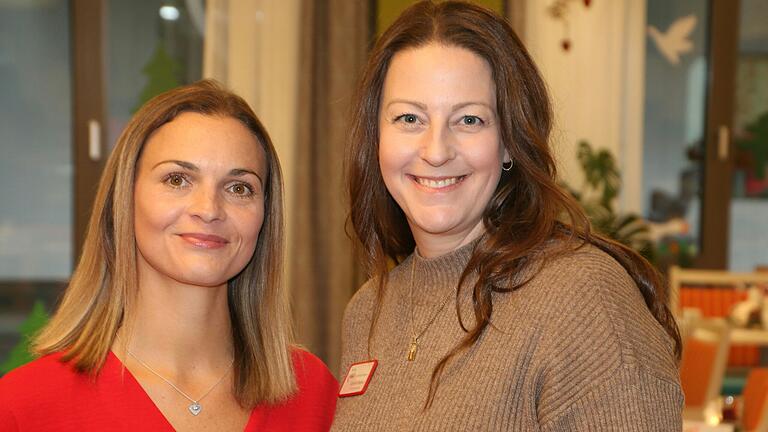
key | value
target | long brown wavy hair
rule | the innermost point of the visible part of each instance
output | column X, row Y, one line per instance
column 101, row 294
column 528, row 209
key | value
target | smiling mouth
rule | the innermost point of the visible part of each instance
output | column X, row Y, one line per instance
column 438, row 183
column 205, row 241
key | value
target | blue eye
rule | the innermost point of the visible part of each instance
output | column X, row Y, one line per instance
column 471, row 120
column 409, row 119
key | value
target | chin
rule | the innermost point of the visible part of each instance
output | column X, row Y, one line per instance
column 202, row 279
column 437, row 226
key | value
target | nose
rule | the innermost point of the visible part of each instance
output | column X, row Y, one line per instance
column 438, row 146
column 205, row 204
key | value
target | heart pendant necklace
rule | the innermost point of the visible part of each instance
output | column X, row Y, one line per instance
column 194, row 408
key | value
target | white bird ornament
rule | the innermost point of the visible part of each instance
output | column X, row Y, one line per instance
column 675, row 41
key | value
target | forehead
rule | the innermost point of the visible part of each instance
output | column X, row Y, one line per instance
column 439, row 73
column 205, row 139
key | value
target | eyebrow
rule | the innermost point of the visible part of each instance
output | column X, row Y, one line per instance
column 419, row 105
column 424, row 106
column 235, row 172
column 465, row 104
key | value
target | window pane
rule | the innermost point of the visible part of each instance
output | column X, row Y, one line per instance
column 674, row 124
column 749, row 205
column 153, row 46
column 36, row 141
column 36, row 167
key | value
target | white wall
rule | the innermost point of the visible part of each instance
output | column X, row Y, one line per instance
column 597, row 86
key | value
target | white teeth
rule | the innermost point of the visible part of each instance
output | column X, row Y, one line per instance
column 437, row 184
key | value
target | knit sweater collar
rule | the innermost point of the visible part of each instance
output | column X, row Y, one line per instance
column 433, row 277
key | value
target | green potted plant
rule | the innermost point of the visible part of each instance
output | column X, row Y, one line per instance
column 601, row 186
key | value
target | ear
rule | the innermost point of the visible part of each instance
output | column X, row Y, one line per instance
column 507, row 158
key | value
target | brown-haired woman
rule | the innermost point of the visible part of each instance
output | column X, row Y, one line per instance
column 504, row 312
column 175, row 317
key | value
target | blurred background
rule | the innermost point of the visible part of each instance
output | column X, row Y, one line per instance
column 661, row 132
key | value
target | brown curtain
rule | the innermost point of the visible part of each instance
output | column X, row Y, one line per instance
column 324, row 272
column 516, row 15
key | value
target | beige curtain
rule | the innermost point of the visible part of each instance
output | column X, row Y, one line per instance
column 296, row 63
column 325, row 273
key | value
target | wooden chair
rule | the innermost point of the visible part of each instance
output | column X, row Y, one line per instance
column 754, row 417
column 680, row 277
column 714, row 293
column 705, row 354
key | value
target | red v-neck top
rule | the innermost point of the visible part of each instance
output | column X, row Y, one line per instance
column 48, row 395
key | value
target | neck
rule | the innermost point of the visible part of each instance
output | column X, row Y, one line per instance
column 435, row 245
column 177, row 326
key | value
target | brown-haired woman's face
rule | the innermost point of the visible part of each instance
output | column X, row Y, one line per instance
column 198, row 200
column 439, row 148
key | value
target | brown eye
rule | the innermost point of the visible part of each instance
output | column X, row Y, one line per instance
column 176, row 180
column 241, row 190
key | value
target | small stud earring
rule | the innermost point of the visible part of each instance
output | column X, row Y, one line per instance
column 506, row 166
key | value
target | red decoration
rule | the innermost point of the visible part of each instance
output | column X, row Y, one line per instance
column 559, row 10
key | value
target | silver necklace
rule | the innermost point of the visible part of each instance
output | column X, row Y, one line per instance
column 195, row 407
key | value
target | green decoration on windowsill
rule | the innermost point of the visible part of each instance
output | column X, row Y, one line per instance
column 757, row 144
column 20, row 354
column 162, row 72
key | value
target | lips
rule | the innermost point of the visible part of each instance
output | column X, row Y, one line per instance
column 438, row 183
column 205, row 241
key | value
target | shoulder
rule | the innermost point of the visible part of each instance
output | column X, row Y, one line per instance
column 48, row 370
column 310, row 369
column 587, row 276
column 311, row 408
column 593, row 309
column 590, row 312
column 313, row 378
column 356, row 324
column 585, row 265
column 32, row 387
column 360, row 306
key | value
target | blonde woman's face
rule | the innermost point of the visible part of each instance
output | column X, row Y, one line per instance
column 439, row 148
column 198, row 201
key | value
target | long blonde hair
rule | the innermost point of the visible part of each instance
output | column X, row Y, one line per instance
column 103, row 285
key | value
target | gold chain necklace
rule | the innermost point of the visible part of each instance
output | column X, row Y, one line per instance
column 195, row 407
column 416, row 336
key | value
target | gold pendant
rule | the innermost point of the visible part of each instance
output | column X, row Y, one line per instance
column 412, row 350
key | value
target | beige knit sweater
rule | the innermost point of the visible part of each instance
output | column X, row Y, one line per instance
column 574, row 350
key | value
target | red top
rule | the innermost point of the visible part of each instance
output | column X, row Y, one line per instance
column 48, row 395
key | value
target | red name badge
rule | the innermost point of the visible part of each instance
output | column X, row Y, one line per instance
column 357, row 379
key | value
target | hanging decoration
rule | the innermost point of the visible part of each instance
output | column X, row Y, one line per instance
column 676, row 41
column 560, row 10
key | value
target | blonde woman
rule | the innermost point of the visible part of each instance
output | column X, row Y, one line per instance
column 175, row 317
